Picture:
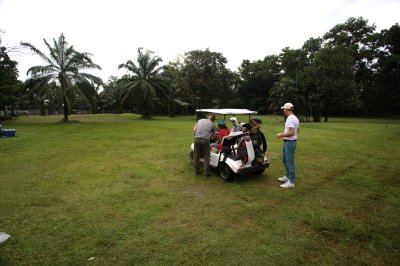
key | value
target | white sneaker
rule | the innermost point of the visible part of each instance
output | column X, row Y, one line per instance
column 288, row 184
column 283, row 179
column 3, row 237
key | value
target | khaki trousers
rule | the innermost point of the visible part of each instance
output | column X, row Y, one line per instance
column 202, row 150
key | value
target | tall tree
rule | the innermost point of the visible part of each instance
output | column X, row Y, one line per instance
column 311, row 47
column 257, row 79
column 284, row 90
column 353, row 33
column 334, row 79
column 63, row 65
column 293, row 63
column 309, row 92
column 384, row 94
column 358, row 36
column 292, row 85
column 179, row 100
column 9, row 85
column 208, row 82
column 144, row 82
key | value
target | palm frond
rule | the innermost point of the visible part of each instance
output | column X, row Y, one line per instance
column 66, row 81
column 38, row 52
column 53, row 54
column 41, row 70
column 90, row 77
column 37, row 84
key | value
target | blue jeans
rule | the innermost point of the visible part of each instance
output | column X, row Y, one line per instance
column 289, row 149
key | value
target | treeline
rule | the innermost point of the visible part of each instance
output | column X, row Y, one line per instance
column 351, row 70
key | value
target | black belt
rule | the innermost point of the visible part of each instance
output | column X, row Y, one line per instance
column 290, row 140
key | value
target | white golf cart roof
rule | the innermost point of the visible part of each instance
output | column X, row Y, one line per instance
column 228, row 111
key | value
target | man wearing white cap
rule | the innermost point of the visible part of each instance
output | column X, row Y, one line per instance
column 236, row 126
column 289, row 137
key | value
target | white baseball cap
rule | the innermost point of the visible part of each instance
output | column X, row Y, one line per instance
column 233, row 119
column 287, row 106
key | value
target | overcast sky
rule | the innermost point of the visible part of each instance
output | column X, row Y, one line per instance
column 113, row 30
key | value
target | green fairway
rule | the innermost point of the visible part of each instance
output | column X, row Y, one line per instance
column 119, row 190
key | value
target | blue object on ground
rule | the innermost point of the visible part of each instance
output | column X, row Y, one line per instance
column 8, row 132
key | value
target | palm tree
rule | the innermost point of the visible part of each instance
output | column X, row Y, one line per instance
column 146, row 83
column 64, row 66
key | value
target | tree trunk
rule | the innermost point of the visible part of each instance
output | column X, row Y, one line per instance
column 13, row 110
column 171, row 110
column 65, row 108
column 326, row 111
column 65, row 95
column 42, row 110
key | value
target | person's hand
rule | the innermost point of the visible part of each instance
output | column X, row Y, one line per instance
column 279, row 135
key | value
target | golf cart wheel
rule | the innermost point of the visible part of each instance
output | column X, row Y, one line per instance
column 191, row 157
column 226, row 173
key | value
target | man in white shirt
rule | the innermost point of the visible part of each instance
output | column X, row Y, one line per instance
column 289, row 137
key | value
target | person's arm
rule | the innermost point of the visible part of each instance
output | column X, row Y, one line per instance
column 213, row 135
column 288, row 134
column 264, row 142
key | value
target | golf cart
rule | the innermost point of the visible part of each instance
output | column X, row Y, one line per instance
column 237, row 156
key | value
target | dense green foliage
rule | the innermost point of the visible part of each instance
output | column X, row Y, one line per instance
column 121, row 189
column 351, row 70
column 384, row 92
column 9, row 84
column 207, row 80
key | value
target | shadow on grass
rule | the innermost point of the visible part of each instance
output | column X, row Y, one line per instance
column 240, row 179
column 147, row 117
column 248, row 178
column 67, row 122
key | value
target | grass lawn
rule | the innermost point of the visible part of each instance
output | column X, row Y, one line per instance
column 121, row 189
